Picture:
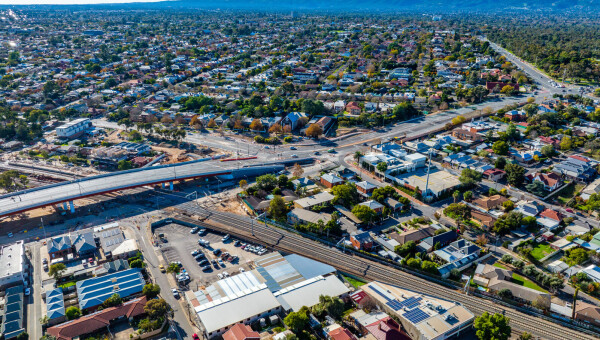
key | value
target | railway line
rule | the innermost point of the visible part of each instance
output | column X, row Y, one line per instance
column 353, row 264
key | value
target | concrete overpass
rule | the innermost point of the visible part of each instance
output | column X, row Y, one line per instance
column 66, row 192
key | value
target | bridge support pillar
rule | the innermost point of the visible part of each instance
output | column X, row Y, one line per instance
column 171, row 186
column 163, row 185
column 65, row 206
column 72, row 207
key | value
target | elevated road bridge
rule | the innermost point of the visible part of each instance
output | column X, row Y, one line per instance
column 66, row 192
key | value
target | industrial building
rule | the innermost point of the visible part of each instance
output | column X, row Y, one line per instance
column 12, row 264
column 73, row 128
column 93, row 292
column 278, row 284
column 12, row 320
column 422, row 316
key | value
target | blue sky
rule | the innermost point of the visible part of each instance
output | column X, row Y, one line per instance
column 67, row 2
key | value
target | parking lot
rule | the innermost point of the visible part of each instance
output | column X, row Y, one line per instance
column 180, row 244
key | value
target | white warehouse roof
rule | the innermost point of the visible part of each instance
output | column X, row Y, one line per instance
column 306, row 293
column 227, row 311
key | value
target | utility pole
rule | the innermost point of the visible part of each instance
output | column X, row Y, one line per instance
column 428, row 170
column 44, row 228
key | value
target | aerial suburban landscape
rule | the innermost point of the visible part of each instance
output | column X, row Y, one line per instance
column 299, row 171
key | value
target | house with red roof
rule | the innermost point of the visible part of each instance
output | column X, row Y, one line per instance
column 550, row 141
column 551, row 180
column 494, row 175
column 240, row 331
column 97, row 321
column 551, row 214
column 353, row 108
column 340, row 333
column 387, row 329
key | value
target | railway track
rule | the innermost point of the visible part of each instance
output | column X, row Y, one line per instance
column 353, row 264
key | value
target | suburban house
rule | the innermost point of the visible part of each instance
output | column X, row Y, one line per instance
column 587, row 313
column 311, row 201
column 293, row 119
column 241, row 332
column 443, row 239
column 374, row 205
column 353, row 108
column 551, row 181
column 331, row 180
column 361, row 240
column 365, row 187
column 490, row 203
column 494, row 175
column 482, row 218
column 463, row 134
column 497, row 279
column 577, row 168
column 457, row 255
column 414, row 235
column 303, row 216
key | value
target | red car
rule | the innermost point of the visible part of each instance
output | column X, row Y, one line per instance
column 195, row 336
column 570, row 210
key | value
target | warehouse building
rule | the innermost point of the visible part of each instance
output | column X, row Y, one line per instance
column 93, row 292
column 422, row 316
column 12, row 264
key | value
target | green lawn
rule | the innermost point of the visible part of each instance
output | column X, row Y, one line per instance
column 522, row 281
column 569, row 192
column 356, row 283
column 67, row 284
column 541, row 250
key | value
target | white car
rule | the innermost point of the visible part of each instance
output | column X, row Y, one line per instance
column 242, row 270
column 220, row 276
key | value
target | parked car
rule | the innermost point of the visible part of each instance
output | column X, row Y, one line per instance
column 236, row 243
column 195, row 230
column 221, row 263
column 206, row 268
column 194, row 253
column 292, row 148
column 27, row 291
column 195, row 336
column 226, row 237
column 204, row 263
column 217, row 251
column 242, row 270
column 162, row 268
column 175, row 293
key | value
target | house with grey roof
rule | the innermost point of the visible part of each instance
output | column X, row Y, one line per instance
column 457, row 255
column 55, row 306
column 84, row 243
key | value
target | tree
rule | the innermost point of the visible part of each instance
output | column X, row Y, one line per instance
column 73, row 312
column 243, row 184
column 124, row 165
column 137, row 263
column 296, row 321
column 298, row 170
column 429, row 267
column 414, row 263
column 57, row 270
column 566, row 143
column 266, row 182
column 515, row 174
column 151, row 290
column 333, row 306
column 364, row 213
column 407, row 248
column 455, row 195
column 468, row 195
column 458, row 211
column 276, row 129
column 508, row 90
column 345, row 194
column 23, row 336
column 256, row 125
column 507, row 222
column 536, row 188
column 547, row 150
column 357, row 155
column 481, row 240
column 382, row 167
column 211, row 123
column 173, row 268
column 314, row 130
column 156, row 308
column 500, row 163
column 113, row 301
column 507, row 258
column 469, row 177
column 500, row 147
column 505, row 293
column 492, row 327
column 508, row 205
column 277, row 208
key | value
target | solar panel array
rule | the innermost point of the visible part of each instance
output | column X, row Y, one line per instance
column 409, row 303
column 415, row 315
column 380, row 293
